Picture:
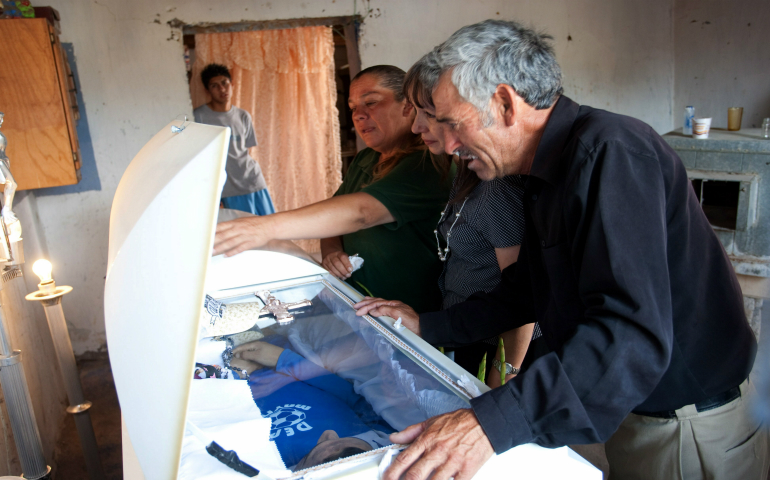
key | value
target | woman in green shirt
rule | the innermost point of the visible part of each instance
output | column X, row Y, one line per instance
column 384, row 211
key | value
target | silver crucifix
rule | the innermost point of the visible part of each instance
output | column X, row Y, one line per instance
column 279, row 309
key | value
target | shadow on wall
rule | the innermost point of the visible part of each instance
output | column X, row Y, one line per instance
column 764, row 112
column 88, row 171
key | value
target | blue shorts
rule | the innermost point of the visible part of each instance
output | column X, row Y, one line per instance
column 258, row 203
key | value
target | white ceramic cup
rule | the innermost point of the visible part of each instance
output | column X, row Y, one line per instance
column 701, row 127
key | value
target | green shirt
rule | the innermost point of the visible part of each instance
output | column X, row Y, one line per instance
column 400, row 258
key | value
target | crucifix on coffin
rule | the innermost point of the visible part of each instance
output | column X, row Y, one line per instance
column 280, row 310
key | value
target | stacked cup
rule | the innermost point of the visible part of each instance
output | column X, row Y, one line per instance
column 701, row 127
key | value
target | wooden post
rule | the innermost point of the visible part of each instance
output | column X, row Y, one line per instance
column 354, row 62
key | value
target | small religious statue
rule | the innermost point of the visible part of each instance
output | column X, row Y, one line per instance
column 11, row 224
column 279, row 309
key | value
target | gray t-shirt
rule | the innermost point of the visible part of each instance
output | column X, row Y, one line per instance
column 243, row 172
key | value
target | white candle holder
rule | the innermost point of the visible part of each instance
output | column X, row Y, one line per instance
column 50, row 296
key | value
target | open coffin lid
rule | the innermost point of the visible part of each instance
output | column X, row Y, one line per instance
column 161, row 235
column 160, row 269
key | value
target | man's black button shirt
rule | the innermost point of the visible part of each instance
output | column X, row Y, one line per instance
column 636, row 298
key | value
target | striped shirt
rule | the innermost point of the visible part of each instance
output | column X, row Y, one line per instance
column 492, row 217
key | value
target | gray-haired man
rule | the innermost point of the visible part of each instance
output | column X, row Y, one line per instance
column 636, row 298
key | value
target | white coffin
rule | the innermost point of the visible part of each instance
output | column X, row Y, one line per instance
column 159, row 270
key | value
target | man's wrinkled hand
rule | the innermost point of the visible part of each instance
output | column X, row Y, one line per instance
column 338, row 264
column 242, row 234
column 379, row 307
column 449, row 445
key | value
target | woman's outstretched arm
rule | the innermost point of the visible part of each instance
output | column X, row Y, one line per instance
column 329, row 218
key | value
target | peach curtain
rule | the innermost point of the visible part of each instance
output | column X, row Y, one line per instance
column 285, row 79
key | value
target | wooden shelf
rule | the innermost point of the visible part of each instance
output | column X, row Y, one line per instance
column 36, row 95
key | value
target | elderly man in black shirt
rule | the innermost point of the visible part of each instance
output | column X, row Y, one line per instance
column 635, row 296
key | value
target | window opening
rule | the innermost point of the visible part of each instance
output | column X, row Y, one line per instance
column 719, row 200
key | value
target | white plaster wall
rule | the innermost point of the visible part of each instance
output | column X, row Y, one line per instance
column 615, row 55
column 131, row 71
column 722, row 59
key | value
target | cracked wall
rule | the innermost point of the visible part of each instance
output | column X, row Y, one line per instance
column 722, row 60
column 615, row 55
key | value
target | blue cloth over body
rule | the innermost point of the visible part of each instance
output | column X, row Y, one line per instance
column 303, row 400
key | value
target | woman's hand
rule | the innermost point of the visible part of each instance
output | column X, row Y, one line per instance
column 242, row 234
column 516, row 342
column 493, row 379
column 262, row 353
column 330, row 218
column 338, row 264
column 379, row 307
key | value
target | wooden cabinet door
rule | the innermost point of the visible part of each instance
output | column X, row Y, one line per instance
column 33, row 95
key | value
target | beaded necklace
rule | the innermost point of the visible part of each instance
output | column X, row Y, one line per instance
column 443, row 256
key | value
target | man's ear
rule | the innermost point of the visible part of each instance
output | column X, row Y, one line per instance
column 506, row 101
column 408, row 109
column 327, row 435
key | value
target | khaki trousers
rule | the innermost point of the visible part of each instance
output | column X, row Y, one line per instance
column 722, row 443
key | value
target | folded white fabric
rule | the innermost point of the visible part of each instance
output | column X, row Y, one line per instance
column 225, row 411
column 356, row 262
column 210, row 351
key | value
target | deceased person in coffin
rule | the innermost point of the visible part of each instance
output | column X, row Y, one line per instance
column 316, row 416
column 331, row 387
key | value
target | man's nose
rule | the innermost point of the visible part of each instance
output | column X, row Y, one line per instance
column 451, row 143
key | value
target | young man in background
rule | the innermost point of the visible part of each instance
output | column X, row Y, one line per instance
column 245, row 188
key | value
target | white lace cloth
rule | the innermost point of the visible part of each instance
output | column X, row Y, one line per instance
column 225, row 411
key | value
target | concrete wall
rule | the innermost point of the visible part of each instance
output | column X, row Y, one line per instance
column 722, row 59
column 615, row 54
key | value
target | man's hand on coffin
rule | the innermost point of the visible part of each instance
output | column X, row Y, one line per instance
column 379, row 307
column 262, row 353
column 449, row 445
column 242, row 234
column 338, row 264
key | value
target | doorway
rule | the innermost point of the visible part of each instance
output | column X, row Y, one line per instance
column 347, row 63
column 293, row 77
